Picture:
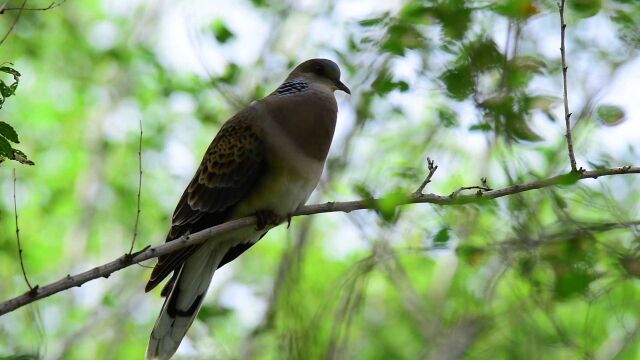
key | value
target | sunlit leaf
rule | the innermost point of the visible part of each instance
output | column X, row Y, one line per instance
column 610, row 115
column 387, row 206
column 517, row 9
column 585, row 8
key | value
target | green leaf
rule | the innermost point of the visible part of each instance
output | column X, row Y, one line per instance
column 520, row 130
column 373, row 21
column 209, row 312
column 517, row 9
column 480, row 127
column 569, row 179
column 7, row 131
column 585, row 8
column 12, row 71
column 5, row 148
column 221, row 31
column 448, row 118
column 384, row 84
column 442, row 237
column 472, row 254
column 5, row 90
column 459, row 81
column 231, row 74
column 387, row 206
column 572, row 283
column 610, row 115
column 544, row 102
column 483, row 54
column 402, row 37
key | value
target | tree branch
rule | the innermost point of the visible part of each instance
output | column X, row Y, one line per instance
column 432, row 167
column 15, row 21
column 567, row 114
column 53, row 5
column 197, row 238
column 15, row 212
column 135, row 226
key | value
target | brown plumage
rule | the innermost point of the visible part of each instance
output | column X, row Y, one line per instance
column 268, row 157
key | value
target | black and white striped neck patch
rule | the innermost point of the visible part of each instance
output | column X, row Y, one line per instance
column 292, row 87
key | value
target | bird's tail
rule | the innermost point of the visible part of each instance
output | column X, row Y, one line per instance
column 183, row 303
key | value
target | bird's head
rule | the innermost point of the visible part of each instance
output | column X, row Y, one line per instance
column 322, row 71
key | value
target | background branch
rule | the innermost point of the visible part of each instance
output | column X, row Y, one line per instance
column 15, row 212
column 197, row 238
column 15, row 21
column 567, row 114
column 135, row 226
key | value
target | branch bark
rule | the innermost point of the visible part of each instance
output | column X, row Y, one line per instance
column 455, row 198
column 565, row 96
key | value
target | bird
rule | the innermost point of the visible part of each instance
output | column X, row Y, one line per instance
column 264, row 161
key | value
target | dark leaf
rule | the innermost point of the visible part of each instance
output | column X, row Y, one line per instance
column 442, row 237
column 373, row 21
column 221, row 31
column 480, row 127
column 572, row 283
column 5, row 90
column 5, row 148
column 483, row 54
column 402, row 37
column 6, row 69
column 7, row 131
column 459, row 81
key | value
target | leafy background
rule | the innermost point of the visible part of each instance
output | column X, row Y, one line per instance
column 475, row 85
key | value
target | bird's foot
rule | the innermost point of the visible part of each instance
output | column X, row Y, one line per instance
column 266, row 218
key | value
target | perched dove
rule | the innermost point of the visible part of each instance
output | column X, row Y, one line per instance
column 264, row 161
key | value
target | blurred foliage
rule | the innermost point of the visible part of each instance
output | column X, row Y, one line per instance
column 475, row 85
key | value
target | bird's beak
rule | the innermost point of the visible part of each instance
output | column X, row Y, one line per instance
column 343, row 87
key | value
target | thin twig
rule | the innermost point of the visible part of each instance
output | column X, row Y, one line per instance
column 200, row 237
column 135, row 227
column 432, row 167
column 567, row 114
column 51, row 6
column 480, row 189
column 15, row 212
column 15, row 21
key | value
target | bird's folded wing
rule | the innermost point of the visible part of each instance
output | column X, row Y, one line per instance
column 232, row 165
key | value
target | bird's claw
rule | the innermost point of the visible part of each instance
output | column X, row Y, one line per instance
column 266, row 218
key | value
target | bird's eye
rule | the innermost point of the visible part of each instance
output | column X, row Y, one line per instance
column 318, row 70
